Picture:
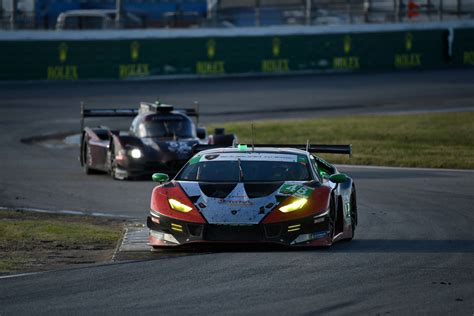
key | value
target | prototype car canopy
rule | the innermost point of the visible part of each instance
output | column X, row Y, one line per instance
column 163, row 126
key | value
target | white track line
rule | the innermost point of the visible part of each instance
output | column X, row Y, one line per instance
column 19, row 275
column 63, row 212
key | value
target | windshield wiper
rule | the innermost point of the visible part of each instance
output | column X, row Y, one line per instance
column 241, row 172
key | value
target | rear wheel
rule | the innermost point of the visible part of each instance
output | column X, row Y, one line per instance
column 86, row 158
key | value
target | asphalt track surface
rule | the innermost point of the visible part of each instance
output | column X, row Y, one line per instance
column 414, row 248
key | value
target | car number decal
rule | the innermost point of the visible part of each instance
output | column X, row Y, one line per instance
column 297, row 190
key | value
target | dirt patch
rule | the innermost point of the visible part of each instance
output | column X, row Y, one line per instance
column 31, row 242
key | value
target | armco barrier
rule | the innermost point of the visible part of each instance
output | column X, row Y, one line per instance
column 63, row 58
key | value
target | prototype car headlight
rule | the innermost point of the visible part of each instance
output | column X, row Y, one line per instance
column 178, row 206
column 136, row 153
column 294, row 206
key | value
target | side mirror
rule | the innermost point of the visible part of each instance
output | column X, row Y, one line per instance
column 338, row 178
column 201, row 133
column 324, row 174
column 160, row 177
column 219, row 131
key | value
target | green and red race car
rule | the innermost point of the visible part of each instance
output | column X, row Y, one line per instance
column 281, row 194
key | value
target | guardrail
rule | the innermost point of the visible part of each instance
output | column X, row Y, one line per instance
column 262, row 51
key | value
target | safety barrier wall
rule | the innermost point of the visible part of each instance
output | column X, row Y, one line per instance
column 463, row 47
column 130, row 58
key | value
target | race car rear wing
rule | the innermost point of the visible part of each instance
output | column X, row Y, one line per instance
column 164, row 108
column 318, row 148
column 144, row 107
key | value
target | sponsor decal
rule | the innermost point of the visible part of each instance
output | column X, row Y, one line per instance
column 210, row 67
column 275, row 64
column 468, row 58
column 134, row 50
column 296, row 190
column 346, row 62
column 195, row 159
column 211, row 157
column 134, row 69
column 348, row 209
column 236, row 200
column 249, row 156
column 63, row 71
column 179, row 147
column 408, row 59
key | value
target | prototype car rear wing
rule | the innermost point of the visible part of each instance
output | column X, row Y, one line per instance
column 164, row 108
column 144, row 107
column 321, row 149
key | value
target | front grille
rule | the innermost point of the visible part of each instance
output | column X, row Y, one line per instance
column 273, row 231
column 233, row 233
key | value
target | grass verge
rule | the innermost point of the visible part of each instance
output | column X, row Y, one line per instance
column 435, row 140
column 36, row 241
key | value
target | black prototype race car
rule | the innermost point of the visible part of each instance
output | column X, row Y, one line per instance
column 160, row 139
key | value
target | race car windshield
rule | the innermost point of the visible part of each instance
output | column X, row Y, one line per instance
column 178, row 127
column 242, row 170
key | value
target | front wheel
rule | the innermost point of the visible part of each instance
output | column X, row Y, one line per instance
column 353, row 206
column 113, row 164
column 114, row 168
column 332, row 217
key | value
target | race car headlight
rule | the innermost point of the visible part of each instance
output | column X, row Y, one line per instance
column 178, row 206
column 294, row 206
column 136, row 153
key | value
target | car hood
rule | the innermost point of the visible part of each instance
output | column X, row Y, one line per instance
column 238, row 203
column 181, row 147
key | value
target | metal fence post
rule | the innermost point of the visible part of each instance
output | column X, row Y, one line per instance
column 428, row 12
column 257, row 12
column 367, row 8
column 212, row 11
column 119, row 14
column 441, row 10
column 396, row 10
column 13, row 15
column 308, row 12
column 349, row 10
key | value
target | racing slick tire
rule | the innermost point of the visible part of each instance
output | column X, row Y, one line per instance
column 85, row 159
column 114, row 167
column 353, row 206
column 332, row 216
column 113, row 164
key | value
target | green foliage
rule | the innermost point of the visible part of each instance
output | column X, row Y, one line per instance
column 438, row 140
column 20, row 232
column 26, row 235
